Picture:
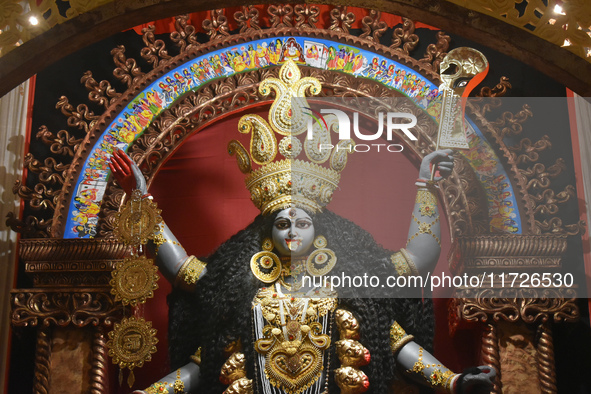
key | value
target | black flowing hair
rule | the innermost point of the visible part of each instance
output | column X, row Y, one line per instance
column 220, row 310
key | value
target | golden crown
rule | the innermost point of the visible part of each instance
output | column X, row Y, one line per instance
column 279, row 184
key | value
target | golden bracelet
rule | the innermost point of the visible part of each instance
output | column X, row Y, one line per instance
column 398, row 337
column 400, row 264
column 189, row 273
column 411, row 264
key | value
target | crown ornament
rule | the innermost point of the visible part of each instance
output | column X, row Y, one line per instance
column 279, row 183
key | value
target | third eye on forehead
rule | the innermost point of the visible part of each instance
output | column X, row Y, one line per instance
column 292, row 215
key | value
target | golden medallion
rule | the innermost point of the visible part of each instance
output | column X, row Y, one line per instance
column 134, row 280
column 132, row 342
column 138, row 221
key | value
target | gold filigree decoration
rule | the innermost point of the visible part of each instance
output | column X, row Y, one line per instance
column 265, row 266
column 132, row 343
column 286, row 115
column 138, row 221
column 233, row 369
column 236, row 148
column 189, row 273
column 427, row 202
column 134, row 280
column 263, row 145
column 293, row 341
column 398, row 337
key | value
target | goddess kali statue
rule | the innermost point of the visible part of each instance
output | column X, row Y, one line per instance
column 257, row 325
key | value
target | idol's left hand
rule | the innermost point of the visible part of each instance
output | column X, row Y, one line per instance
column 442, row 159
column 477, row 380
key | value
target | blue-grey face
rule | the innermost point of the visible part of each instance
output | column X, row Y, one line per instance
column 293, row 232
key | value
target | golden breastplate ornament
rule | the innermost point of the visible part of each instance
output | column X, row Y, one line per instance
column 295, row 334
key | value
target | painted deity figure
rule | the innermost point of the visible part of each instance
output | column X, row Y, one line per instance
column 260, row 320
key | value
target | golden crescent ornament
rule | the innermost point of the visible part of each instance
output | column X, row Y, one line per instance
column 134, row 280
column 138, row 221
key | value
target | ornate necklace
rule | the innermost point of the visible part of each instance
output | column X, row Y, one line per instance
column 292, row 340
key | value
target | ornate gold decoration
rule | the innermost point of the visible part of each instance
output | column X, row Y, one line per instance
column 441, row 380
column 178, row 385
column 134, row 280
column 347, row 324
column 424, row 228
column 403, row 263
column 158, row 388
column 235, row 147
column 293, row 342
column 240, row 386
column 138, row 221
column 351, row 380
column 322, row 260
column 131, row 343
column 189, row 273
column 352, row 353
column 398, row 337
column 427, row 202
column 233, row 369
column 267, row 244
column 196, row 358
column 265, row 266
column 280, row 184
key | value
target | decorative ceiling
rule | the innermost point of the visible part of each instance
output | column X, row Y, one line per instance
column 551, row 35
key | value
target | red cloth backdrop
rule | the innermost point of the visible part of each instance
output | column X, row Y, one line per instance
column 204, row 201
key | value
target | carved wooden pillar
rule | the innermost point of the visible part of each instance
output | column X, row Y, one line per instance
column 517, row 336
column 71, row 305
